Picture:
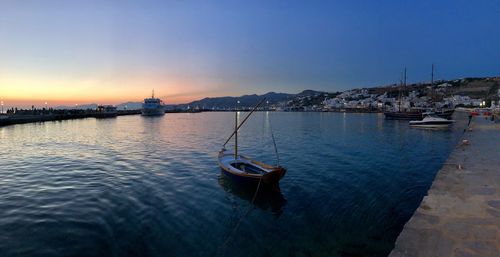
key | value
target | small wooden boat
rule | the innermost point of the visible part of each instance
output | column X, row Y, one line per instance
column 245, row 170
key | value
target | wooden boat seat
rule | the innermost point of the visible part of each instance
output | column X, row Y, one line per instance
column 248, row 168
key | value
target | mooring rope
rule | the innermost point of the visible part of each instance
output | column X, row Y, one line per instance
column 468, row 124
column 233, row 231
column 274, row 143
column 229, row 237
column 244, row 120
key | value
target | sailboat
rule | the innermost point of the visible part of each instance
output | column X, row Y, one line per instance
column 442, row 113
column 400, row 114
column 246, row 170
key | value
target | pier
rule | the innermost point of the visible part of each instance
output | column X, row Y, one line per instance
column 460, row 216
column 55, row 116
column 42, row 116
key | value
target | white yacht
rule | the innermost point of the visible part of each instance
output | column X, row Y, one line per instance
column 431, row 121
column 153, row 106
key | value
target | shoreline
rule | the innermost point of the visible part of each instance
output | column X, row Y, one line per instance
column 6, row 120
column 460, row 214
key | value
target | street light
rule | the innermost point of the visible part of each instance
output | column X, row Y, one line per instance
column 2, row 107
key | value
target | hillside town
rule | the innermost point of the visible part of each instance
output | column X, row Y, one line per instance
column 444, row 94
column 470, row 93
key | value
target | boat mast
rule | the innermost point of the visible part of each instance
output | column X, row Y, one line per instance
column 434, row 94
column 236, row 132
column 405, row 78
column 399, row 93
column 432, row 75
column 245, row 119
column 404, row 85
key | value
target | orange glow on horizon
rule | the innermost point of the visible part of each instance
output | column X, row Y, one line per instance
column 24, row 91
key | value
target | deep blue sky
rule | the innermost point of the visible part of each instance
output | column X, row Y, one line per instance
column 194, row 48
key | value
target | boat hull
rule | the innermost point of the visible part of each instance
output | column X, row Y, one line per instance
column 430, row 124
column 105, row 115
column 269, row 178
column 153, row 112
column 416, row 115
column 240, row 179
column 403, row 115
column 271, row 183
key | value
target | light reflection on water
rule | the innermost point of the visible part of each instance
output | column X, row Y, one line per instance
column 137, row 186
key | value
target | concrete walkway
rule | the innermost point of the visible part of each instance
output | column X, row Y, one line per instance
column 460, row 216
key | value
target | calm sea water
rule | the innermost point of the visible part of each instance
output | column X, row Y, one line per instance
column 138, row 186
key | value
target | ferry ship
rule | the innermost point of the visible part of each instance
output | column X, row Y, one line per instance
column 153, row 106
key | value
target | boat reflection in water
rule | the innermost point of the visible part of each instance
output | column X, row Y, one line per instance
column 266, row 198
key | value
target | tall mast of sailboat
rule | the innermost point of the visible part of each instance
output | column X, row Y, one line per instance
column 245, row 119
column 399, row 92
column 432, row 75
column 405, row 78
column 404, row 85
column 432, row 88
column 236, row 132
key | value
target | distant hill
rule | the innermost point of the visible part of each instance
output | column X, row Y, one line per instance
column 228, row 102
column 246, row 101
column 472, row 87
column 483, row 88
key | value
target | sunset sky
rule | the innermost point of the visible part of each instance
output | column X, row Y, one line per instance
column 67, row 52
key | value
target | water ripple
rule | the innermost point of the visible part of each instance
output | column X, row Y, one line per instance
column 137, row 186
